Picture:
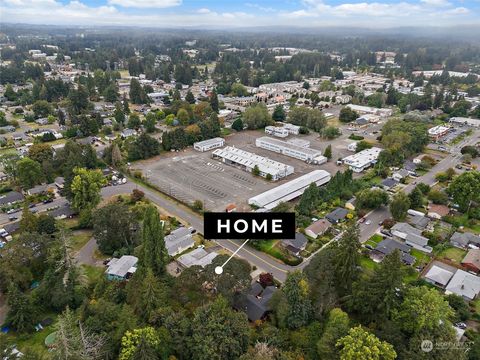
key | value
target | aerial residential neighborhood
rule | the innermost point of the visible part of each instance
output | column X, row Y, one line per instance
column 122, row 124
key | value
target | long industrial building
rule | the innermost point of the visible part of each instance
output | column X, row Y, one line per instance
column 247, row 161
column 292, row 148
column 290, row 190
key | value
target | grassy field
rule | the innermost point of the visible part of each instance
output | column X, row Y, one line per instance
column 453, row 254
column 79, row 239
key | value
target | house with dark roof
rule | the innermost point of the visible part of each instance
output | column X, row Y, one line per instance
column 295, row 246
column 388, row 246
column 462, row 240
column 11, row 197
column 389, row 183
column 471, row 261
column 62, row 212
column 256, row 303
column 411, row 167
column 337, row 215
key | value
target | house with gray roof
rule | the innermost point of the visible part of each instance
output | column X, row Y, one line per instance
column 464, row 284
column 418, row 221
column 439, row 275
column 198, row 257
column 179, row 240
column 412, row 236
column 462, row 240
column 256, row 303
column 121, row 269
column 295, row 246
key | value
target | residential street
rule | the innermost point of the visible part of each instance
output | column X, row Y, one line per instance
column 258, row 259
column 452, row 159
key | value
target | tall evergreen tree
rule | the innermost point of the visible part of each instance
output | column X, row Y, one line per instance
column 154, row 253
column 386, row 284
column 347, row 259
column 21, row 313
column 214, row 101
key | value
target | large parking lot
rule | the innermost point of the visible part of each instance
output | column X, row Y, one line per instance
column 190, row 175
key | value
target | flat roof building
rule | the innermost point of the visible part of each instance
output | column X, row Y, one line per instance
column 362, row 160
column 371, row 110
column 465, row 121
column 196, row 257
column 277, row 131
column 290, row 190
column 209, row 144
column 289, row 148
column 179, row 240
column 292, row 129
column 248, row 161
column 120, row 269
column 438, row 131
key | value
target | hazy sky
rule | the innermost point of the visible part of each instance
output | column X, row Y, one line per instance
column 234, row 13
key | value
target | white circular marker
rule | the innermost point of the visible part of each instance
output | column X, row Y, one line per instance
column 218, row 270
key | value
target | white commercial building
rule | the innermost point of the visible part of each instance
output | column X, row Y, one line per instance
column 292, row 129
column 290, row 190
column 290, row 148
column 362, row 160
column 248, row 161
column 438, row 131
column 371, row 110
column 209, row 144
column 276, row 131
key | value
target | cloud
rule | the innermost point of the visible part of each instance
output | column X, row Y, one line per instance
column 311, row 13
column 436, row 3
column 146, row 3
column 261, row 8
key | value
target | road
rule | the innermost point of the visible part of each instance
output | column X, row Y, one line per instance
column 452, row 159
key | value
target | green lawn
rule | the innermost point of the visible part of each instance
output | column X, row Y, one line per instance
column 93, row 273
column 274, row 249
column 367, row 264
column 454, row 254
column 422, row 258
column 35, row 340
column 374, row 240
column 79, row 239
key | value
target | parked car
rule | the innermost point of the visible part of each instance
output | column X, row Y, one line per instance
column 461, row 325
column 12, row 218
